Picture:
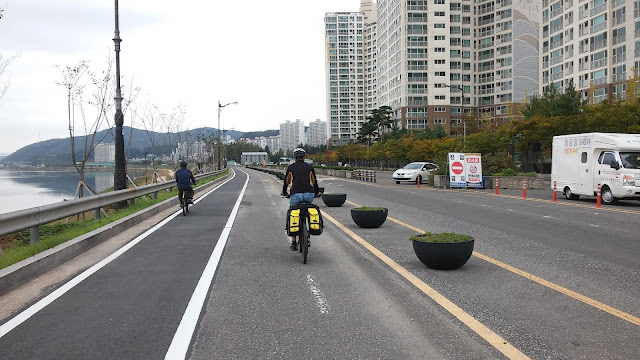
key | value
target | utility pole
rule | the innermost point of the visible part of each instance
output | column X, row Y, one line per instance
column 120, row 173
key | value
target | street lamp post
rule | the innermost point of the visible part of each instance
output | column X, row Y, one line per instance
column 120, row 172
column 145, row 167
column 220, row 107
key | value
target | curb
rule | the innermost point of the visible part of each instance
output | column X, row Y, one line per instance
column 21, row 272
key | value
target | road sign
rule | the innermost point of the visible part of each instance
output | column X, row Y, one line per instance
column 456, row 170
column 473, row 169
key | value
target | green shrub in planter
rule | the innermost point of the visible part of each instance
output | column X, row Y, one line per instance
column 443, row 251
column 369, row 217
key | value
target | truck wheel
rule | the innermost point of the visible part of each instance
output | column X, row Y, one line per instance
column 607, row 196
column 569, row 195
column 397, row 182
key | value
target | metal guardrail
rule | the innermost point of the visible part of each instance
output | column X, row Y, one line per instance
column 364, row 175
column 32, row 218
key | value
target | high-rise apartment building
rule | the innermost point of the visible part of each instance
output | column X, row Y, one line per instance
column 317, row 133
column 435, row 61
column 589, row 43
column 104, row 152
column 345, row 78
column 291, row 135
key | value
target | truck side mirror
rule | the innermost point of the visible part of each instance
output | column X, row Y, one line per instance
column 615, row 165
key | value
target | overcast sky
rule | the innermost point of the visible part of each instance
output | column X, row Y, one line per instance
column 266, row 55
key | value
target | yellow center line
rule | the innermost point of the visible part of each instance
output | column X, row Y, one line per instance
column 491, row 337
column 584, row 299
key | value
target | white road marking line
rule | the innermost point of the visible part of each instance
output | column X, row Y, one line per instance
column 184, row 333
column 594, row 225
column 33, row 309
column 510, row 210
column 548, row 217
column 321, row 301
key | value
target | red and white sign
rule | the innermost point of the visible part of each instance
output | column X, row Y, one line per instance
column 457, row 168
column 473, row 167
column 457, row 176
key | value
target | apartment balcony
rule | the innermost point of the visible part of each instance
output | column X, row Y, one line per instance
column 417, row 79
column 599, row 81
column 417, row 32
column 545, row 34
column 485, row 68
column 636, row 13
column 504, row 75
column 455, row 67
column 598, row 45
column 619, row 20
column 599, row 63
column 417, row 7
column 636, row 33
column 636, row 53
column 417, row 91
column 556, row 29
column 486, row 45
column 568, row 55
column 583, row 14
column 556, row 44
column 486, row 21
column 598, row 9
column 557, row 76
column 483, row 102
column 584, row 31
column 485, row 57
column 416, row 43
column 485, row 91
column 416, row 56
column 619, row 58
column 584, row 84
column 506, row 88
column 483, row 80
column 417, row 20
column 619, row 77
column 556, row 60
column 417, row 103
column 619, row 39
column 599, row 27
column 417, row 67
column 584, row 66
column 486, row 10
column 486, row 33
column 501, row 4
column 545, row 79
column 556, row 12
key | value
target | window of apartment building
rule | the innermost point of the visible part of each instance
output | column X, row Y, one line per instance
column 440, row 73
column 438, row 26
column 440, row 97
column 438, row 13
column 439, row 50
column 439, row 61
column 439, row 121
column 439, row 37
column 438, row 2
column 439, row 109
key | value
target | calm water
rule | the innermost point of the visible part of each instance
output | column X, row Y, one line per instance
column 21, row 189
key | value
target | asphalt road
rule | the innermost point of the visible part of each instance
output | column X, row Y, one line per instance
column 548, row 280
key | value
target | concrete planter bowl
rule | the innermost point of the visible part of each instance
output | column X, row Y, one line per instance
column 334, row 200
column 442, row 255
column 369, row 217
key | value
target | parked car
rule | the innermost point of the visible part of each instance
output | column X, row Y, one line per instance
column 414, row 172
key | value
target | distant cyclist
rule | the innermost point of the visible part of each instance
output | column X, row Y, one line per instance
column 304, row 185
column 184, row 178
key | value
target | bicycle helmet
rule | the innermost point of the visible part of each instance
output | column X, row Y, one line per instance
column 183, row 164
column 299, row 153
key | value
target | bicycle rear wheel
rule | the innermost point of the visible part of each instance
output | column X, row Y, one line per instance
column 185, row 206
column 304, row 237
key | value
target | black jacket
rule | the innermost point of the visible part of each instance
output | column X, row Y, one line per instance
column 302, row 178
column 184, row 177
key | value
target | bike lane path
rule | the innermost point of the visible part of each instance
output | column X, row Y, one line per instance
column 265, row 303
column 131, row 307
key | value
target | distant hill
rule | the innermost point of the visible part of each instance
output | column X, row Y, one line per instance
column 137, row 142
column 266, row 133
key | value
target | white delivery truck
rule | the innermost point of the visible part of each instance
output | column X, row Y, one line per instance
column 581, row 162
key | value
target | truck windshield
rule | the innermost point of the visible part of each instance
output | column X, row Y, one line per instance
column 630, row 160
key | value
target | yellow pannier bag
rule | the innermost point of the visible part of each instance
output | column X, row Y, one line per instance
column 315, row 220
column 293, row 222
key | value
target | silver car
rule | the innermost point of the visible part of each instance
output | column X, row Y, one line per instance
column 414, row 172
